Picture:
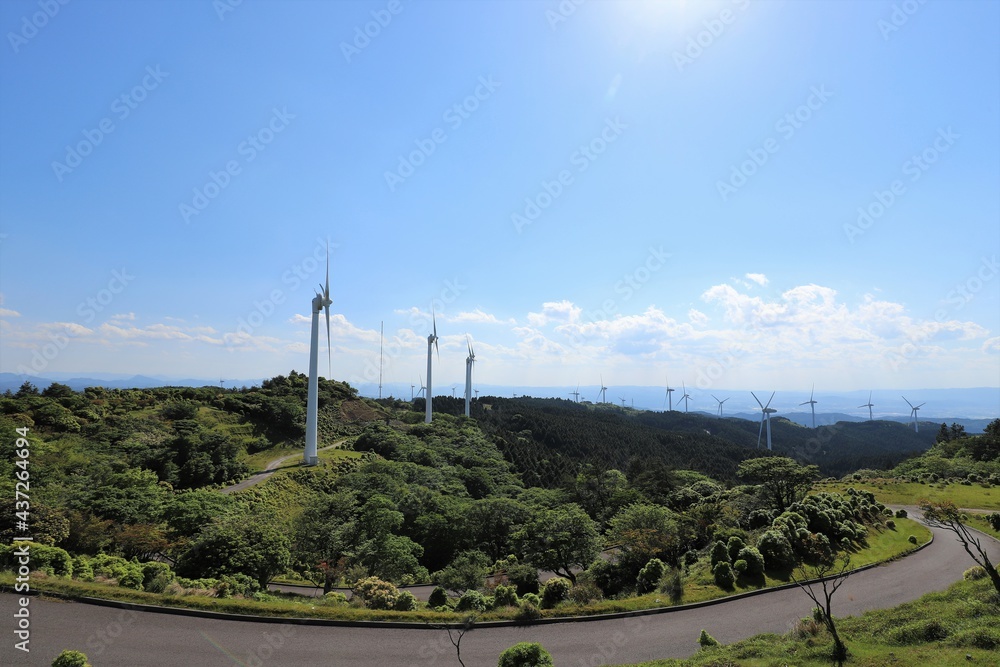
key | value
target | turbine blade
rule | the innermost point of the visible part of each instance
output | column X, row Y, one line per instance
column 757, row 399
column 907, row 402
column 327, row 292
column 770, row 399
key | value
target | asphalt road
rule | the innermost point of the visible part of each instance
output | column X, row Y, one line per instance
column 120, row 638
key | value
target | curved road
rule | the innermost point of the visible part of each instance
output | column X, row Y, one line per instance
column 115, row 637
column 271, row 468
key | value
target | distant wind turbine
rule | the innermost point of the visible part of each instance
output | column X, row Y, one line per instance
column 812, row 404
column 765, row 415
column 603, row 391
column 669, row 399
column 432, row 341
column 720, row 403
column 686, row 397
column 870, row 405
column 470, row 361
column 381, row 328
column 423, row 389
column 913, row 413
column 622, row 399
column 320, row 302
column 412, row 386
column 576, row 393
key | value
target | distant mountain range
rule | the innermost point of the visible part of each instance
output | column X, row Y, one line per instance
column 973, row 407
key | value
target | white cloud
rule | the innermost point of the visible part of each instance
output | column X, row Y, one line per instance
column 5, row 312
column 758, row 278
column 477, row 316
column 563, row 312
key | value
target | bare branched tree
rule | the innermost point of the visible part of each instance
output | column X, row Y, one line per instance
column 830, row 575
column 455, row 635
column 944, row 514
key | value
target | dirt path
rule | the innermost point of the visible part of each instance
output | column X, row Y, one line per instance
column 271, row 468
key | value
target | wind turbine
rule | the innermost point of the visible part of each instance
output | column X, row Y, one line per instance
column 870, row 405
column 765, row 414
column 622, row 399
column 423, row 389
column 381, row 329
column 812, row 404
column 913, row 413
column 670, row 399
column 320, row 302
column 412, row 386
column 686, row 397
column 720, row 403
column 432, row 341
column 576, row 393
column 469, row 362
column 603, row 391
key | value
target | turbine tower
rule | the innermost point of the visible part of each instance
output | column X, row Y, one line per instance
column 870, row 405
column 622, row 399
column 670, row 399
column 423, row 389
column 412, row 386
column 686, row 397
column 765, row 415
column 913, row 413
column 812, row 404
column 432, row 341
column 320, row 302
column 603, row 391
column 576, row 394
column 469, row 362
column 720, row 403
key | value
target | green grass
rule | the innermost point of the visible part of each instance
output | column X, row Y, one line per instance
column 947, row 629
column 892, row 492
column 257, row 462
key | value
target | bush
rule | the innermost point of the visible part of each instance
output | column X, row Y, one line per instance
column 612, row 577
column 525, row 654
column 724, row 575
column 719, row 553
column 776, row 550
column 438, row 597
column 528, row 611
column 900, row 514
column 335, row 597
column 132, row 577
column 733, row 547
column 706, row 640
column 919, row 632
column 740, row 567
column 754, row 561
column 505, row 596
column 82, row 569
column 555, row 591
column 690, row 558
column 156, row 576
column 912, row 539
column 890, row 524
column 375, row 593
column 974, row 573
column 71, row 659
column 405, row 602
column 994, row 521
column 524, row 576
column 673, row 585
column 585, row 591
column 531, row 598
column 650, row 575
column 471, row 600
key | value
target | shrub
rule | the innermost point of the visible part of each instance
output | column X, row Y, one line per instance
column 405, row 602
column 776, row 550
column 919, row 632
column 375, row 593
column 912, row 539
column 994, row 521
column 335, row 597
column 132, row 577
column 724, row 575
column 471, row 600
column 505, row 596
column 733, row 547
column 525, row 654
column 754, row 561
column 438, row 597
column 706, row 640
column 528, row 611
column 71, row 659
column 524, row 576
column 156, row 576
column 555, row 591
column 82, row 569
column 531, row 598
column 740, row 567
column 719, row 553
column 650, row 575
column 900, row 514
column 673, row 585
column 974, row 573
column 690, row 558
column 611, row 577
column 987, row 639
column 890, row 524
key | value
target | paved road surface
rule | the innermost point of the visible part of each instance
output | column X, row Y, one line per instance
column 161, row 640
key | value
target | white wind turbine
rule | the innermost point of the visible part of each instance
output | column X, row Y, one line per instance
column 622, row 399
column 469, row 362
column 576, row 394
column 603, row 391
column 422, row 389
column 870, row 405
column 812, row 404
column 765, row 415
column 670, row 398
column 432, row 341
column 320, row 302
column 686, row 397
column 720, row 403
column 913, row 413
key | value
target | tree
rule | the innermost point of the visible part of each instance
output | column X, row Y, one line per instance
column 643, row 532
column 944, row 514
column 782, row 480
column 560, row 539
column 239, row 543
column 467, row 571
column 829, row 578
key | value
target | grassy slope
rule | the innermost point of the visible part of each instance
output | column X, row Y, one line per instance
column 947, row 629
column 910, row 493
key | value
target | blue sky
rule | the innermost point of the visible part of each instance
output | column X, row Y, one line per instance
column 734, row 194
